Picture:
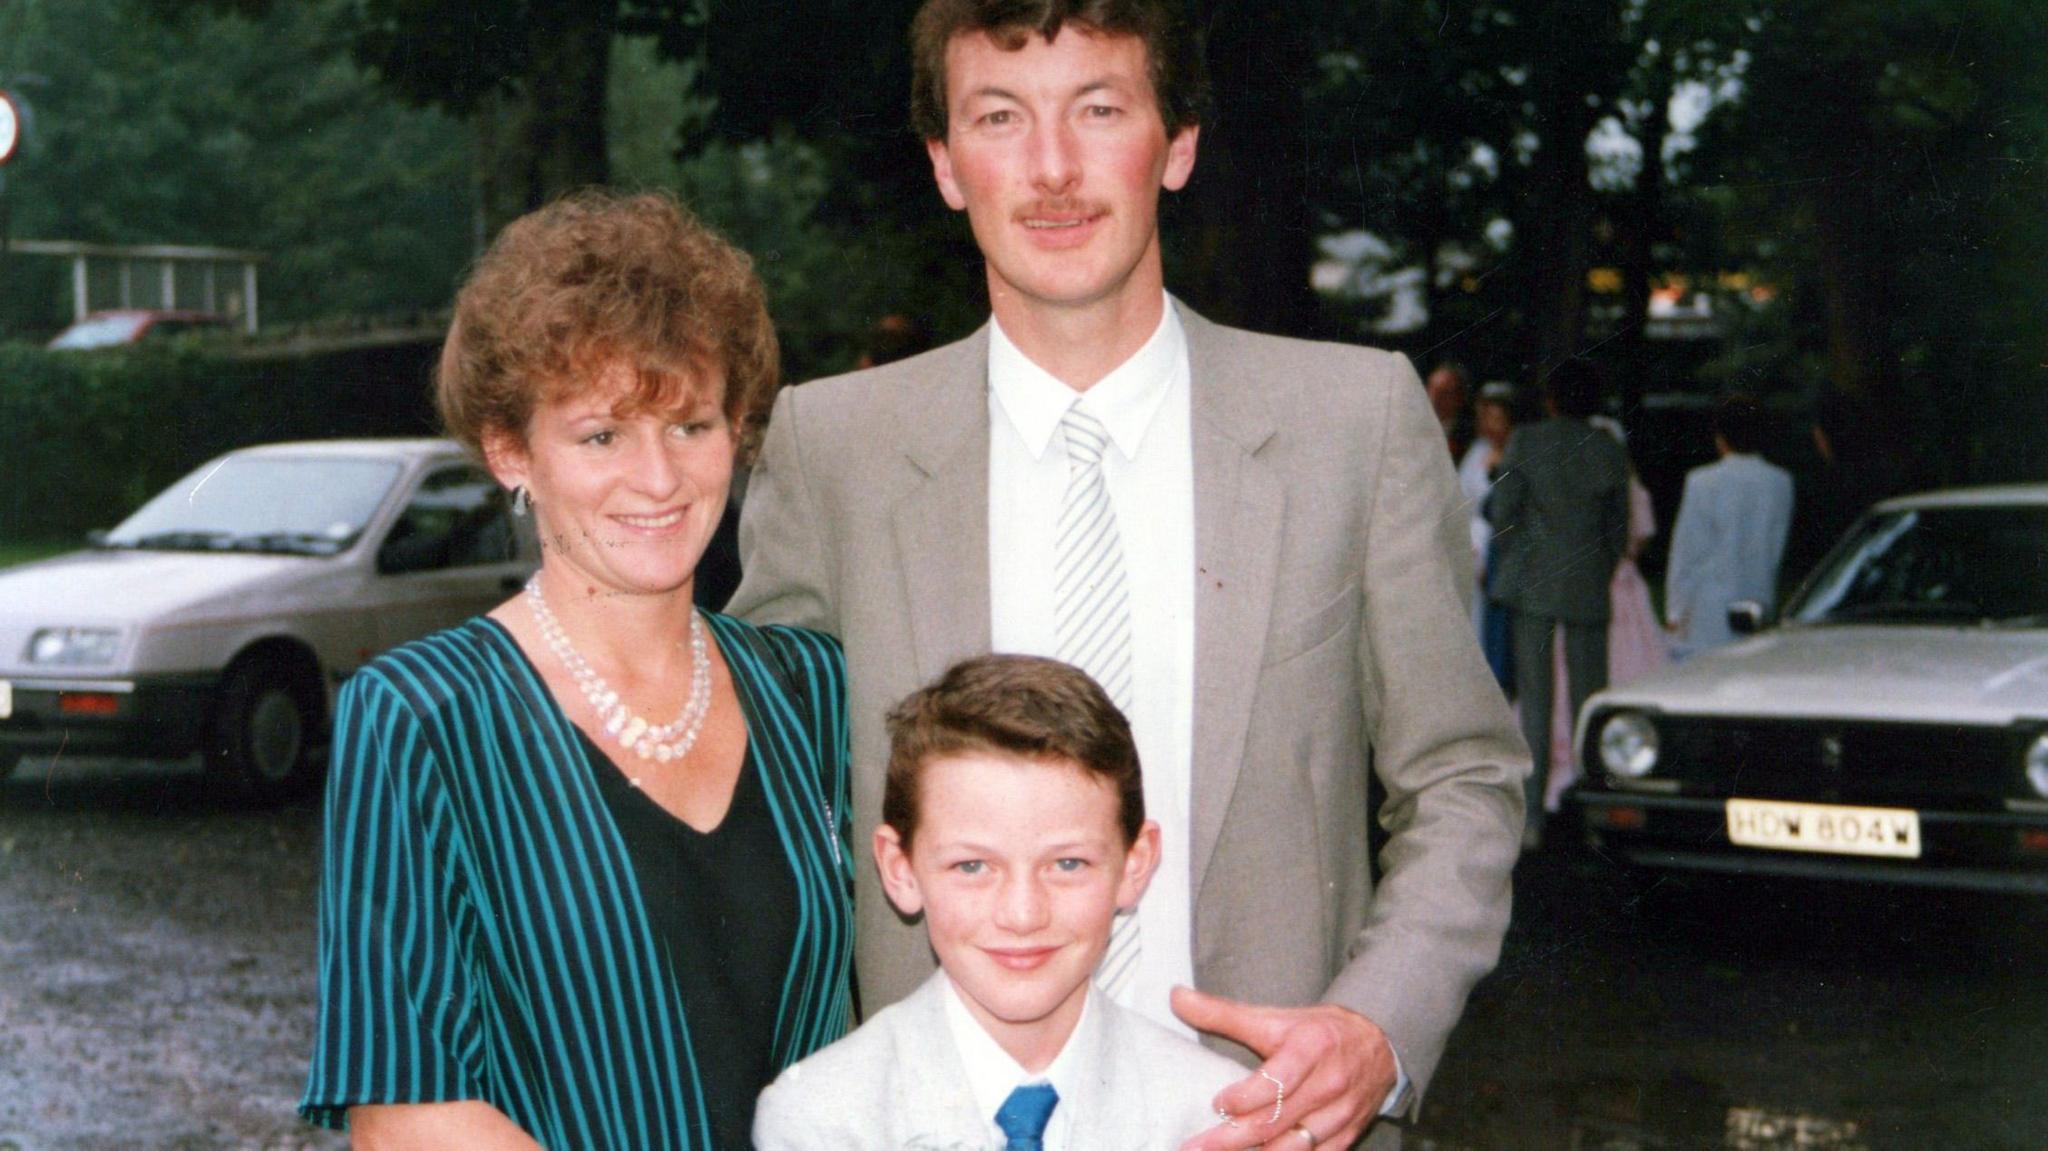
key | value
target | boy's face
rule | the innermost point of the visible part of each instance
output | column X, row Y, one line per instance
column 1019, row 867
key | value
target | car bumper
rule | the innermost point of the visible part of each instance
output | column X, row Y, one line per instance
column 1981, row 850
column 158, row 716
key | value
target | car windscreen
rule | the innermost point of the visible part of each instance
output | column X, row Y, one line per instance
column 306, row 505
column 1971, row 565
column 100, row 332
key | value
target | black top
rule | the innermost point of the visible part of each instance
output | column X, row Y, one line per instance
column 723, row 904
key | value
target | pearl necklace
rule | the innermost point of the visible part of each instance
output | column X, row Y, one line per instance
column 669, row 742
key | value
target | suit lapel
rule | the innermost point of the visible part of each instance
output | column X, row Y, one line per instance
column 1239, row 506
column 941, row 524
column 933, row 1104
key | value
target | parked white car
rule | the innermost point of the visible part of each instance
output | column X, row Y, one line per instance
column 1893, row 727
column 219, row 618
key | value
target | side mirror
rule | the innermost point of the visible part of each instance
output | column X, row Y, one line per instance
column 1745, row 617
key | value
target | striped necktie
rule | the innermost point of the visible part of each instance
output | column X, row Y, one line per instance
column 1092, row 616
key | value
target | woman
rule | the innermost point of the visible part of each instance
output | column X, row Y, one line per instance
column 1494, row 422
column 585, row 883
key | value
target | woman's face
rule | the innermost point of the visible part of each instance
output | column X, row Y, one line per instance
column 1493, row 422
column 624, row 503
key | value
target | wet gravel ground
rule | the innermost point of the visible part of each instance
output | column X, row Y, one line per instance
column 1642, row 1014
column 156, row 963
column 156, row 991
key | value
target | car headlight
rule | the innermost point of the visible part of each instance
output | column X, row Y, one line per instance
column 1628, row 744
column 2037, row 766
column 74, row 646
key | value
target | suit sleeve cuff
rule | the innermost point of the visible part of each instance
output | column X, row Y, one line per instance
column 1397, row 1099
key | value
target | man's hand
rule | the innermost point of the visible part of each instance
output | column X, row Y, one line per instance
column 1335, row 1065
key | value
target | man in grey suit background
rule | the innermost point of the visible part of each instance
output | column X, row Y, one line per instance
column 1560, row 518
column 1253, row 542
column 1730, row 534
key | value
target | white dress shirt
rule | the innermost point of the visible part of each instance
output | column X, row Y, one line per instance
column 992, row 1074
column 1150, row 474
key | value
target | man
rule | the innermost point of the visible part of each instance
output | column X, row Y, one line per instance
column 1448, row 387
column 1730, row 535
column 1560, row 520
column 1266, row 568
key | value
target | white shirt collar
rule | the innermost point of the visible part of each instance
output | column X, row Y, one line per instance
column 992, row 1074
column 1125, row 400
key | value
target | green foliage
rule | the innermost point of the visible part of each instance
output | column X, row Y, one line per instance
column 1884, row 169
column 222, row 129
column 91, row 435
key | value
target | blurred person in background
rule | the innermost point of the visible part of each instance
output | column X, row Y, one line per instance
column 584, row 882
column 1560, row 517
column 1493, row 420
column 895, row 336
column 1449, row 386
column 1730, row 535
column 1635, row 642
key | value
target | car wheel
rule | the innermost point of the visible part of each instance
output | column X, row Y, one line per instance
column 264, row 725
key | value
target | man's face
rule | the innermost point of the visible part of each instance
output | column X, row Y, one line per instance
column 1057, row 154
column 1446, row 395
column 1019, row 867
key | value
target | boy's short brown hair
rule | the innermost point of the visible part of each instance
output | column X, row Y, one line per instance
column 1018, row 705
column 1173, row 58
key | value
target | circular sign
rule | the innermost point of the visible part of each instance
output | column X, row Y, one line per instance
column 10, row 127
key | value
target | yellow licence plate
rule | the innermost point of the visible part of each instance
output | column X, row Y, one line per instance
column 1887, row 831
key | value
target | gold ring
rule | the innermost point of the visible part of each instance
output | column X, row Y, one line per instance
column 1305, row 1133
column 1279, row 1094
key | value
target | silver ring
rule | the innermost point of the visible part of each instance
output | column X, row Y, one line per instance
column 1305, row 1133
column 1225, row 1118
column 1279, row 1095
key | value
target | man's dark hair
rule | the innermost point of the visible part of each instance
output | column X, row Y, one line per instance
column 1173, row 58
column 1574, row 388
column 1016, row 705
column 1739, row 419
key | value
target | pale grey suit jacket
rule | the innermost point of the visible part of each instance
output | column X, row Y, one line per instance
column 1730, row 535
column 898, row 1084
column 1333, row 575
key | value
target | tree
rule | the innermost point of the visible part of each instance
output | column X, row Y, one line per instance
column 220, row 129
column 1885, row 158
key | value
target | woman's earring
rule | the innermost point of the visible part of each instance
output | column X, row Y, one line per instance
column 520, row 501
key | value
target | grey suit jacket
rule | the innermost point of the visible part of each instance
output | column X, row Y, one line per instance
column 1560, row 520
column 1730, row 536
column 1332, row 570
column 898, row 1084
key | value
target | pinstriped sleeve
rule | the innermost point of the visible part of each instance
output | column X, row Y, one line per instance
column 397, row 1020
column 817, row 662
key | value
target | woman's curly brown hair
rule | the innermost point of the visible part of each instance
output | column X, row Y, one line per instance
column 594, row 278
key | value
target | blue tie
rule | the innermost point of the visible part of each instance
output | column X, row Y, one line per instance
column 1022, row 1116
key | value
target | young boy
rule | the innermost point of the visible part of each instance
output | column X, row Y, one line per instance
column 1013, row 819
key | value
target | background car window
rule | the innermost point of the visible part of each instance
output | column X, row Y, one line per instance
column 1937, row 564
column 311, row 504
column 457, row 518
